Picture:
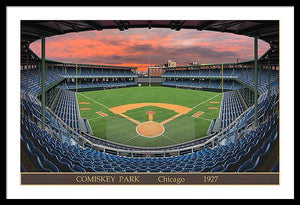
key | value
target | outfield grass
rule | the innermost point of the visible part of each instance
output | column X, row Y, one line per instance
column 119, row 129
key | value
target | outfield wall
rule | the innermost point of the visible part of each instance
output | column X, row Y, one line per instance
column 146, row 81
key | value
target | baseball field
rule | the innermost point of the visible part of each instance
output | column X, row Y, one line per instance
column 149, row 116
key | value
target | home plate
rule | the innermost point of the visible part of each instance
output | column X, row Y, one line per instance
column 150, row 129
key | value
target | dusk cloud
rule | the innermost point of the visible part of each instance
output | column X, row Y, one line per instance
column 139, row 47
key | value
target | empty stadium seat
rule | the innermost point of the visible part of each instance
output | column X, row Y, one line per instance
column 48, row 153
column 275, row 167
column 77, row 168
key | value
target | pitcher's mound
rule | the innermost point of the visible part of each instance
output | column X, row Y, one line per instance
column 150, row 112
column 150, row 129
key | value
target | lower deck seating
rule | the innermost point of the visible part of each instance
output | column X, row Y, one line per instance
column 31, row 80
column 66, row 108
column 245, row 76
column 197, row 84
column 232, row 108
column 246, row 154
column 103, row 85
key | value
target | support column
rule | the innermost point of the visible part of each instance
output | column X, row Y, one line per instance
column 43, row 81
column 255, row 78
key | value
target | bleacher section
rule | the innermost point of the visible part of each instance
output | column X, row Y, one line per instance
column 262, row 79
column 198, row 84
column 249, row 153
column 33, row 77
column 232, row 107
column 66, row 108
column 94, row 73
column 103, row 85
column 237, row 75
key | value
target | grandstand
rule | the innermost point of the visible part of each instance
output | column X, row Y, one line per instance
column 234, row 79
column 66, row 108
column 246, row 138
column 232, row 107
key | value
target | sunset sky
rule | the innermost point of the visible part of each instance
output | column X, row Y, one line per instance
column 139, row 47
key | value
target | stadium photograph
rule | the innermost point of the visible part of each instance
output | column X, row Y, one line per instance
column 149, row 96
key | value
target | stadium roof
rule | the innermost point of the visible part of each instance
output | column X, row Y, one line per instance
column 266, row 30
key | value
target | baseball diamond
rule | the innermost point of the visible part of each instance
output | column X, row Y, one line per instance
column 147, row 112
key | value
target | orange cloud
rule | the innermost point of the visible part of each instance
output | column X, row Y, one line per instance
column 138, row 47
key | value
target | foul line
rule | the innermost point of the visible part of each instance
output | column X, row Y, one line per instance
column 129, row 118
column 206, row 101
column 170, row 119
column 93, row 100
column 130, row 139
column 170, row 139
column 204, row 119
column 95, row 118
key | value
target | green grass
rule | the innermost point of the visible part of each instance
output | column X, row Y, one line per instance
column 118, row 129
